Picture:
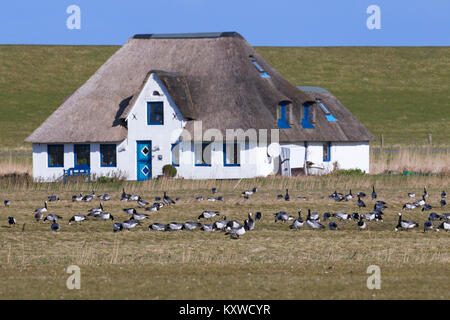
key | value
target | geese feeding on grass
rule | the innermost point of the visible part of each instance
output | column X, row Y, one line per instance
column 426, row 207
column 444, row 225
column 443, row 202
column 428, row 225
column 174, row 226
column 207, row 227
column 77, row 198
column 445, row 216
column 374, row 194
column 7, row 203
column 53, row 198
column 208, row 214
column 298, row 223
column 434, row 216
column 326, row 216
column 348, row 196
column 342, row 216
column 52, row 217
column 117, row 227
column 313, row 224
column 190, row 225
column 258, row 216
column 250, row 223
column 287, row 197
column 361, row 224
column 235, row 233
column 141, row 203
column 105, row 197
column 42, row 209
column 140, row 216
column 221, row 224
column 130, row 224
column 443, row 194
column 333, row 225
column 409, row 206
column 360, row 203
column 38, row 216
column 167, row 199
column 411, row 195
column 129, row 211
column 77, row 218
column 282, row 216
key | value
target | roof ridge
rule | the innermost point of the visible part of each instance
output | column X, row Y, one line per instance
column 195, row 35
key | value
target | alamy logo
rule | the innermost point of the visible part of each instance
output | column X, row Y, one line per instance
column 74, row 280
column 374, row 20
column 374, row 281
column 74, row 20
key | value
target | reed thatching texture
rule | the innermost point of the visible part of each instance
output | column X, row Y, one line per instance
column 210, row 78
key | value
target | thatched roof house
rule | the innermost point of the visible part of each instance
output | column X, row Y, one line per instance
column 216, row 78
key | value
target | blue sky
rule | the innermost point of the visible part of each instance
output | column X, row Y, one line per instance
column 262, row 22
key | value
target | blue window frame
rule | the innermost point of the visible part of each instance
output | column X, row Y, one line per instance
column 282, row 120
column 306, row 123
column 82, row 155
column 175, row 154
column 231, row 155
column 327, row 152
column 155, row 113
column 108, row 155
column 55, row 154
column 202, row 154
column 328, row 114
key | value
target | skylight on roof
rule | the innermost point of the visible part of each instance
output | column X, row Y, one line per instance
column 328, row 114
column 261, row 71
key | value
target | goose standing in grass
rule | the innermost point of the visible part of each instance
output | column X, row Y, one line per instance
column 313, row 224
column 425, row 192
column 298, row 223
column 333, row 225
column 11, row 221
column 207, row 227
column 404, row 224
column 443, row 202
column 258, row 216
column 372, row 216
column 55, row 226
column 361, row 224
column 235, row 233
column 53, row 198
column 411, row 195
column 125, row 196
column 190, row 225
column 208, row 214
column 348, row 196
column 167, row 199
column 52, row 217
column 282, row 216
column 380, row 205
column 140, row 216
column 157, row 226
column 250, row 225
column 374, row 194
column 200, row 198
column 42, row 209
column 443, row 194
column 117, row 227
column 341, row 216
column 95, row 210
column 444, row 225
column 105, row 216
column 336, row 196
column 287, row 197
column 428, row 225
column 105, row 197
column 361, row 194
column 134, row 197
column 174, row 226
column 154, row 207
column 213, row 190
column 38, row 216
column 313, row 215
column 77, row 198
column 77, row 218
column 220, row 198
column 211, row 199
column 157, row 198
column 280, row 196
column 7, row 203
column 326, row 216
column 221, row 224
column 130, row 224
column 233, row 224
column 360, row 203
column 420, row 202
column 141, row 203
column 426, row 207
column 434, row 216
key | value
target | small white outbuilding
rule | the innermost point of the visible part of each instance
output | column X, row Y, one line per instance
column 207, row 104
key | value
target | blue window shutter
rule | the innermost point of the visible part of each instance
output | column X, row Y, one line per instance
column 306, row 123
column 282, row 121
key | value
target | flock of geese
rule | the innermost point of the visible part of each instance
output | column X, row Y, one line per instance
column 234, row 228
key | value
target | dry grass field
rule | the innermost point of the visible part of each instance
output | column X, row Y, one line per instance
column 271, row 262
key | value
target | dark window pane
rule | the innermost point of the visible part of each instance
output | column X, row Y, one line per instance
column 203, row 154
column 55, row 155
column 82, row 155
column 176, row 154
column 155, row 113
column 108, row 154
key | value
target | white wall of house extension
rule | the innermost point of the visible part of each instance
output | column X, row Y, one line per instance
column 347, row 155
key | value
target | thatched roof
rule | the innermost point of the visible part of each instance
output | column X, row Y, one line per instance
column 209, row 77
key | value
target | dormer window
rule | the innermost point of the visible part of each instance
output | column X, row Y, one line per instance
column 306, row 120
column 155, row 113
column 261, row 71
column 284, row 115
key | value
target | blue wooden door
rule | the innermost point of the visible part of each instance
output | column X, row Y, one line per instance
column 144, row 160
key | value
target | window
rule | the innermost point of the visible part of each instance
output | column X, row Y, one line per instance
column 284, row 109
column 203, row 154
column 261, row 71
column 328, row 114
column 155, row 113
column 55, row 155
column 82, row 155
column 327, row 151
column 176, row 154
column 108, row 155
column 306, row 123
column 231, row 155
